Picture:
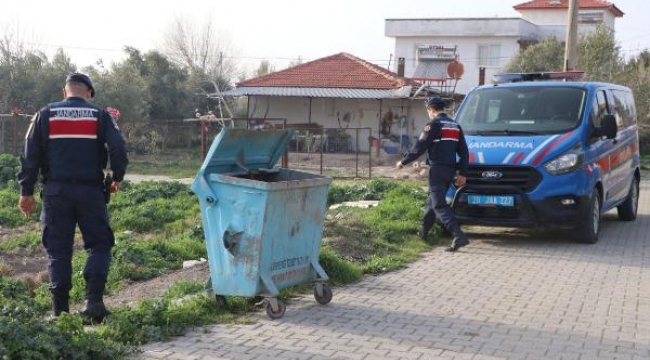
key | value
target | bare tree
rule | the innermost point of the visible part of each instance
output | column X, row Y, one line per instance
column 19, row 63
column 265, row 68
column 200, row 48
column 295, row 62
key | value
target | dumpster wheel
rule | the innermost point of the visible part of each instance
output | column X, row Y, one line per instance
column 325, row 295
column 277, row 313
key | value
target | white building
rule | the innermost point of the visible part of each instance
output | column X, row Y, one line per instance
column 427, row 46
column 348, row 100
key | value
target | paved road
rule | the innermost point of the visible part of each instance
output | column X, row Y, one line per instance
column 509, row 295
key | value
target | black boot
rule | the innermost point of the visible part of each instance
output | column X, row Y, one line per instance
column 60, row 304
column 95, row 310
column 424, row 231
column 460, row 239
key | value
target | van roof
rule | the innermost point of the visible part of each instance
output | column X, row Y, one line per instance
column 578, row 84
column 538, row 76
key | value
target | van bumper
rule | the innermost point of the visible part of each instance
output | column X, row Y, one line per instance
column 565, row 211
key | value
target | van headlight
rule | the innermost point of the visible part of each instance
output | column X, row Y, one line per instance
column 565, row 163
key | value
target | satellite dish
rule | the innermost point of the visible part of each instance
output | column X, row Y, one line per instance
column 455, row 69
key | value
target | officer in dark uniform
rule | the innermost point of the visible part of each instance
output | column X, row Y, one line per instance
column 69, row 143
column 448, row 159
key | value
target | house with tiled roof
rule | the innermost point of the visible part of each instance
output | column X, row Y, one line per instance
column 427, row 45
column 348, row 96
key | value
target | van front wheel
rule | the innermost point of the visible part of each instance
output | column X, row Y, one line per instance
column 628, row 209
column 587, row 231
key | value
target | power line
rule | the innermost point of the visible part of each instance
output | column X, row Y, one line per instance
column 304, row 60
column 73, row 47
column 636, row 37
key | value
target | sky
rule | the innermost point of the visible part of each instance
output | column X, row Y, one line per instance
column 275, row 30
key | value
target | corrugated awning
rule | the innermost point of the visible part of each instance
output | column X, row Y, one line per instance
column 403, row 92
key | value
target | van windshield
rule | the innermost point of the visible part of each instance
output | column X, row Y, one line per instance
column 525, row 110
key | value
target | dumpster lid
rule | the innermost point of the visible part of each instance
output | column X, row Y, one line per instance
column 241, row 150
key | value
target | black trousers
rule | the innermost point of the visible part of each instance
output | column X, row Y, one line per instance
column 440, row 179
column 66, row 205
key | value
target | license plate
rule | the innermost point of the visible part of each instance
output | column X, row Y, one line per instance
column 491, row 200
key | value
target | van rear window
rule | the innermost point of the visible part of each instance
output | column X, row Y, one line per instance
column 521, row 110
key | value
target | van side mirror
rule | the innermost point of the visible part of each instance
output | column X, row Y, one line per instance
column 608, row 127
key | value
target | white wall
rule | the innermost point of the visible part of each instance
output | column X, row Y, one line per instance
column 559, row 17
column 546, row 16
column 468, row 55
column 453, row 27
column 469, row 33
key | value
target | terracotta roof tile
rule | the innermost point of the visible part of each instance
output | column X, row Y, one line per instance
column 336, row 71
column 564, row 4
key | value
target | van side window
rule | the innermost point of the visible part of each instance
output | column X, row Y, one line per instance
column 623, row 107
column 599, row 108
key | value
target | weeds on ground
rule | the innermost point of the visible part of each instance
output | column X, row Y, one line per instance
column 374, row 240
column 26, row 243
column 157, row 227
column 182, row 163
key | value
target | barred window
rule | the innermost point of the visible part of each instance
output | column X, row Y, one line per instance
column 591, row 18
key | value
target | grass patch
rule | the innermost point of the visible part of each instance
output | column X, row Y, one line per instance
column 378, row 239
column 339, row 270
column 26, row 243
column 10, row 215
column 179, row 163
column 158, row 226
column 141, row 259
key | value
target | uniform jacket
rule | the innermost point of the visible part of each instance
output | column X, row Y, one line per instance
column 71, row 141
column 445, row 141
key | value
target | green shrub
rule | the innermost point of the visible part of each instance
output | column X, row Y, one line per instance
column 9, row 168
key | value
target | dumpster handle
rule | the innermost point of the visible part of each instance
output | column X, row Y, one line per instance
column 319, row 270
column 270, row 286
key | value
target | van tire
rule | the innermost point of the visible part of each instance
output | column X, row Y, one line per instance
column 587, row 231
column 628, row 209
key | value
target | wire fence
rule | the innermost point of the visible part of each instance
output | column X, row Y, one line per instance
column 337, row 152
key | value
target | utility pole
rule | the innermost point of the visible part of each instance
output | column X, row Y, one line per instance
column 571, row 44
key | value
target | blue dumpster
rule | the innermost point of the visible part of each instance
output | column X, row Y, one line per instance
column 263, row 224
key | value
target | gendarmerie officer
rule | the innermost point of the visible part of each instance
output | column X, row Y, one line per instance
column 68, row 143
column 448, row 159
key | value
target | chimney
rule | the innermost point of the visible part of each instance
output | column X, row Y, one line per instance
column 481, row 76
column 400, row 66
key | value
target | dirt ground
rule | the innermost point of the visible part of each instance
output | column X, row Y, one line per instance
column 32, row 268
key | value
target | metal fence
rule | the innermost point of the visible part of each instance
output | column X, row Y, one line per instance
column 12, row 133
column 346, row 153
